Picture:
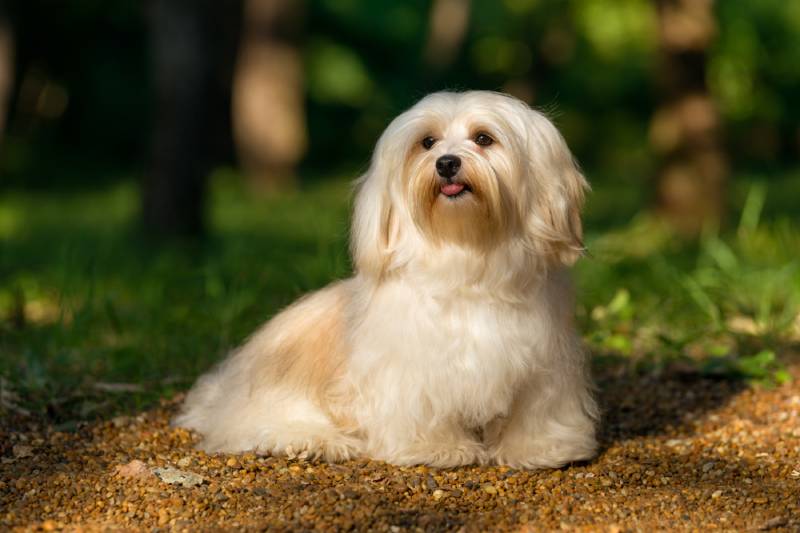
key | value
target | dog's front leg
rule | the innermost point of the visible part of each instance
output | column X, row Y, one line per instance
column 405, row 441
column 551, row 423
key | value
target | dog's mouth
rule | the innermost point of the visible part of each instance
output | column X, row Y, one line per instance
column 454, row 189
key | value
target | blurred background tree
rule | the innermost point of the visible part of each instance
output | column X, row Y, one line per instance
column 6, row 65
column 685, row 129
column 269, row 123
column 183, row 49
column 660, row 99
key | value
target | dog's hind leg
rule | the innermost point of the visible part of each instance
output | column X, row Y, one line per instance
column 275, row 393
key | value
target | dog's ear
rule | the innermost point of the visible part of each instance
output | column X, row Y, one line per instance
column 374, row 227
column 558, row 191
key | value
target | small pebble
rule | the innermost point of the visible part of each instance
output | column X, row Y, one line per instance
column 173, row 476
column 21, row 451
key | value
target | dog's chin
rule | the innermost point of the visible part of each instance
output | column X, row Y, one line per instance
column 459, row 214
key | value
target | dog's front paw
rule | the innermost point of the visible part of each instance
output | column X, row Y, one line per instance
column 543, row 453
column 440, row 455
column 330, row 447
column 340, row 449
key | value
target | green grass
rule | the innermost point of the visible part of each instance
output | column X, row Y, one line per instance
column 84, row 299
column 726, row 304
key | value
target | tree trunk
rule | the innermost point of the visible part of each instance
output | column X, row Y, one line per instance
column 268, row 109
column 685, row 129
column 182, row 69
column 6, row 68
column 447, row 27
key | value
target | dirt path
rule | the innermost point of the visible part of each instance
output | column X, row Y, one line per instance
column 680, row 452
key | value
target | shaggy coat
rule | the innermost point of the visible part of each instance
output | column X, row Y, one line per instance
column 454, row 341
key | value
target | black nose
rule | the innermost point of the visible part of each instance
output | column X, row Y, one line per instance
column 447, row 166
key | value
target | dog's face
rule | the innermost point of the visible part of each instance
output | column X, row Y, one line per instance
column 460, row 170
column 477, row 170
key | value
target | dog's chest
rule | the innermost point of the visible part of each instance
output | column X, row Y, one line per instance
column 463, row 353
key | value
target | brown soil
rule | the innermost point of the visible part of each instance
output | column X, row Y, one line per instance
column 680, row 452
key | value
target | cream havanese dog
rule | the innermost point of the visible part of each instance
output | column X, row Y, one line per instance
column 454, row 341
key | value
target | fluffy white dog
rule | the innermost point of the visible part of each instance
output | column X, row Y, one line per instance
column 454, row 341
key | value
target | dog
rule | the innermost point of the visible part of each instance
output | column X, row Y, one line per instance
column 454, row 341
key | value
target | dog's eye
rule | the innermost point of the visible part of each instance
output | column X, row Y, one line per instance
column 482, row 139
column 428, row 142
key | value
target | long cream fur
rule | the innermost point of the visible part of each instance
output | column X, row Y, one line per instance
column 454, row 341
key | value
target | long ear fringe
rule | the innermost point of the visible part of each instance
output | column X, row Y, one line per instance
column 369, row 234
column 373, row 231
column 555, row 224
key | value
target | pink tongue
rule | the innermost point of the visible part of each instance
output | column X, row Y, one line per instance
column 452, row 189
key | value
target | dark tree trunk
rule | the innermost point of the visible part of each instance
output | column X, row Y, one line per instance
column 185, row 52
column 6, row 67
column 685, row 129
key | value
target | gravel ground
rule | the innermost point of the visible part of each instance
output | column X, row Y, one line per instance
column 680, row 452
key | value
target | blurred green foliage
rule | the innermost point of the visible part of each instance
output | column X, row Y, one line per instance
column 589, row 63
column 79, row 113
column 85, row 300
column 710, row 305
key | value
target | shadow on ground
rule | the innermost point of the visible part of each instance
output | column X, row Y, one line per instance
column 650, row 405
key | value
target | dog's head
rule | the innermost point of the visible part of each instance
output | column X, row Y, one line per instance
column 475, row 169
